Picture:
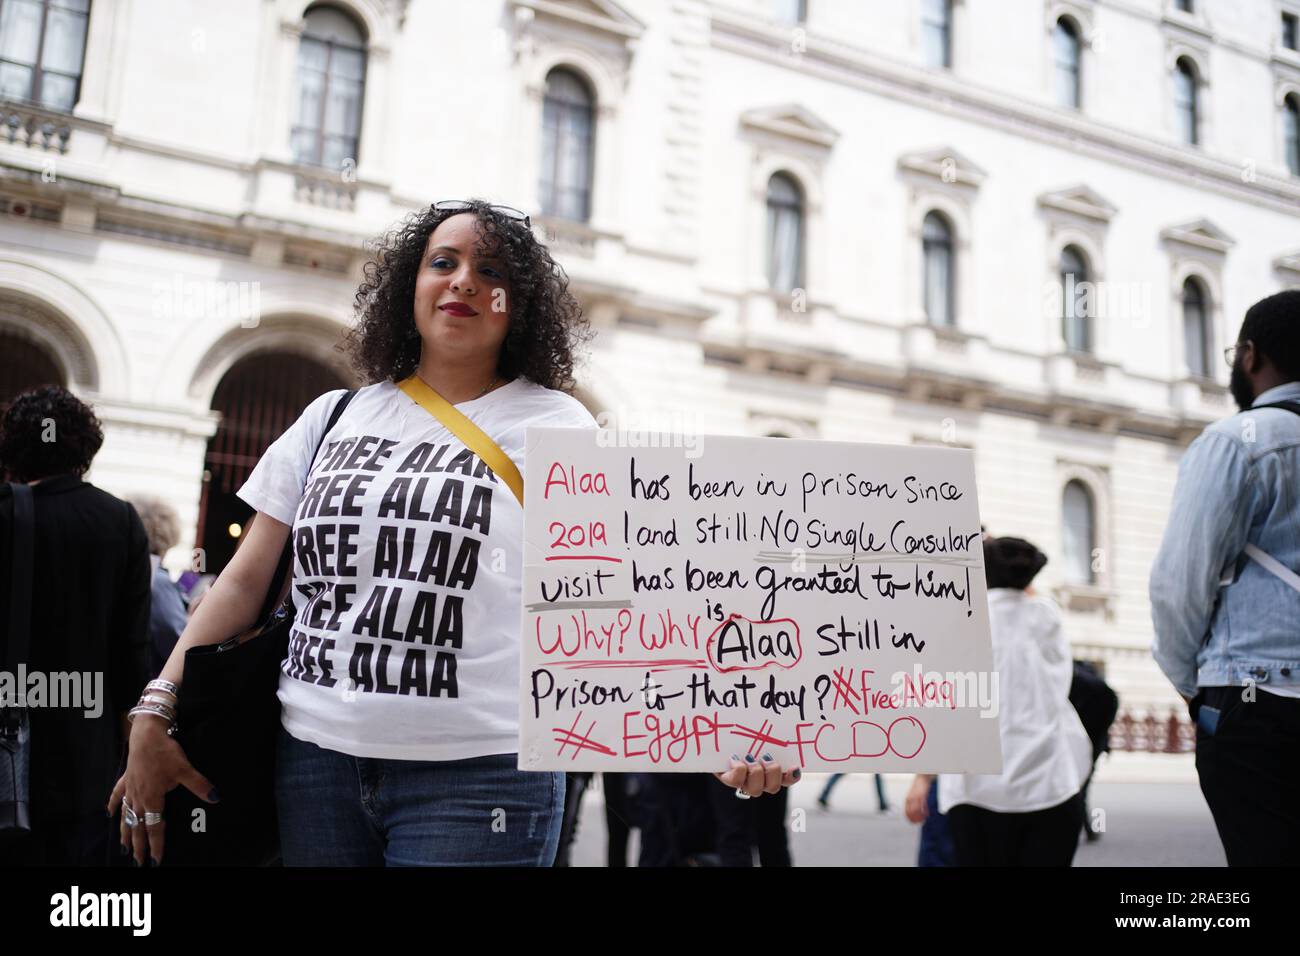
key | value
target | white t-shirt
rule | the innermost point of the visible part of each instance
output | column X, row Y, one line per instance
column 1046, row 754
column 408, row 559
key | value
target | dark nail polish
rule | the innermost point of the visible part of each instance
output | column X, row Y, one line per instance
column 767, row 758
column 153, row 860
column 213, row 796
column 749, row 758
column 797, row 773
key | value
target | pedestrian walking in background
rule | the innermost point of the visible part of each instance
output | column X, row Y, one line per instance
column 1097, row 704
column 1031, row 813
column 168, row 614
column 823, row 798
column 1225, row 596
column 89, row 619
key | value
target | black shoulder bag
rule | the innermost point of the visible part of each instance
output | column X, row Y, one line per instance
column 228, row 721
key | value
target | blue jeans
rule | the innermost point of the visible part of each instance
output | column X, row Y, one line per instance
column 338, row 810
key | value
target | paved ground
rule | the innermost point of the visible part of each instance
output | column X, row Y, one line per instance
column 1147, row 824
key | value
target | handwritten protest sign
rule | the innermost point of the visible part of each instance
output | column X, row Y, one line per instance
column 822, row 602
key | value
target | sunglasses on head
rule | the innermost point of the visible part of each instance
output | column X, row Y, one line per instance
column 460, row 205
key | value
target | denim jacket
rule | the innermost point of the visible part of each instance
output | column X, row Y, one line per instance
column 1220, row 618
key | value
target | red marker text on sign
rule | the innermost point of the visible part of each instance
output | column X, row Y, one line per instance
column 573, row 482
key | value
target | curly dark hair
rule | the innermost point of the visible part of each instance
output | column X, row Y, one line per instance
column 48, row 431
column 546, row 323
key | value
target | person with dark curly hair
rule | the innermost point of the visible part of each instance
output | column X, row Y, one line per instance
column 88, row 631
column 400, row 691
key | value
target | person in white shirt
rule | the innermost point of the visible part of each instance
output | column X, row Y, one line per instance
column 1032, row 812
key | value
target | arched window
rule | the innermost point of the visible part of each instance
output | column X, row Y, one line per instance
column 331, row 80
column 1291, row 132
column 42, row 44
column 1079, row 532
column 1197, row 346
column 1186, row 101
column 568, row 122
column 936, row 250
column 1076, row 301
column 1066, row 51
column 784, row 234
column 936, row 33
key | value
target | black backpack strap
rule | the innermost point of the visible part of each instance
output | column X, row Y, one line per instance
column 1289, row 406
column 271, row 602
column 21, row 559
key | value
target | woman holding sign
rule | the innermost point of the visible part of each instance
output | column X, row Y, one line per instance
column 400, row 692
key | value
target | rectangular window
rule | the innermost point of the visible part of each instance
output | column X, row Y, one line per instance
column 1291, row 31
column 936, row 33
column 42, row 44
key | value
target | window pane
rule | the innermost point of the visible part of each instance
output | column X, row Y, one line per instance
column 304, row 146
column 58, row 92
column 334, row 151
column 65, row 36
column 311, row 87
column 788, row 11
column 562, row 86
column 784, row 230
column 15, row 81
column 1078, row 533
column 1290, row 29
column 348, row 64
column 936, row 248
column 1185, row 103
column 938, row 288
column 566, row 148
column 1076, row 302
column 343, row 109
column 329, row 23
column 1292, row 121
column 783, row 238
column 1066, row 46
column 936, row 32
column 1195, row 330
column 20, row 30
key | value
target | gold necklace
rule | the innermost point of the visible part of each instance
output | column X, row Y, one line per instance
column 486, row 390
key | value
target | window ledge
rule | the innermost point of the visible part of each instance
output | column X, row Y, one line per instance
column 1087, row 598
column 1286, row 57
column 1191, row 22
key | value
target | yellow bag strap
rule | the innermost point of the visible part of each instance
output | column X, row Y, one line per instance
column 474, row 438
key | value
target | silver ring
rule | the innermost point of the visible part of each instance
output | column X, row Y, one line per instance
column 151, row 817
column 741, row 794
column 129, row 817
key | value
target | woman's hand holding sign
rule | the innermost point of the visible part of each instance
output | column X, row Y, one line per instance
column 754, row 777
